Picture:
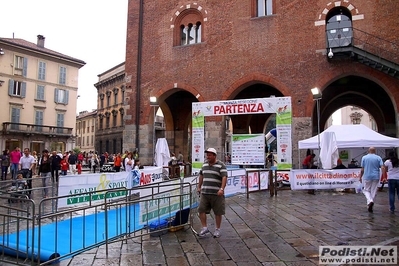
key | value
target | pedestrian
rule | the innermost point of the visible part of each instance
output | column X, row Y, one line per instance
column 392, row 168
column 94, row 162
column 308, row 163
column 25, row 164
column 129, row 162
column 34, row 154
column 55, row 160
column 180, row 158
column 137, row 165
column 15, row 157
column 117, row 162
column 45, row 171
column 64, row 166
column 370, row 173
column 211, row 185
column 5, row 163
column 72, row 160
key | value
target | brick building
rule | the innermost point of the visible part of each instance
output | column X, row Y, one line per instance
column 188, row 51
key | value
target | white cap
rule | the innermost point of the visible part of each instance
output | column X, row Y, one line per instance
column 211, row 150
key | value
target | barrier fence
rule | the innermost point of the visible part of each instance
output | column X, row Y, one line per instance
column 37, row 231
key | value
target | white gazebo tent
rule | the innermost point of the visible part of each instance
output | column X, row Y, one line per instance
column 352, row 136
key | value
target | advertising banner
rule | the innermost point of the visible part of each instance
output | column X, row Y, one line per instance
column 324, row 179
column 73, row 185
column 281, row 106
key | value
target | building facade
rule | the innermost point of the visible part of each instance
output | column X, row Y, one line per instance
column 38, row 96
column 111, row 93
column 86, row 124
column 223, row 50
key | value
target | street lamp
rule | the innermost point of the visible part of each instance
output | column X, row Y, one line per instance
column 317, row 97
column 154, row 104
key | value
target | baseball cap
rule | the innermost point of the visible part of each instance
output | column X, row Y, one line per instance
column 211, row 150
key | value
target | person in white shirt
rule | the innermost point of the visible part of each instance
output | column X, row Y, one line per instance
column 26, row 164
column 129, row 162
column 392, row 169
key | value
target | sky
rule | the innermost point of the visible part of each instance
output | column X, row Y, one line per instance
column 90, row 30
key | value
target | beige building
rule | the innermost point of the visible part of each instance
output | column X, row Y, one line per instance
column 110, row 110
column 86, row 130
column 38, row 96
column 352, row 115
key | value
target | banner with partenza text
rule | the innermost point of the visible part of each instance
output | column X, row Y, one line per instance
column 281, row 106
column 324, row 179
column 72, row 185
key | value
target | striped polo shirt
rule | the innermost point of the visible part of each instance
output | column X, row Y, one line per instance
column 212, row 177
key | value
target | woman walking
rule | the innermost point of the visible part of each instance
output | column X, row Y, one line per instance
column 45, row 171
column 94, row 162
column 392, row 168
column 5, row 163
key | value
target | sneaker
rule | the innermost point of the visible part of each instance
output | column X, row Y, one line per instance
column 204, row 231
column 217, row 233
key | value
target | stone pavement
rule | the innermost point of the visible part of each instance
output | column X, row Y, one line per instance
column 263, row 230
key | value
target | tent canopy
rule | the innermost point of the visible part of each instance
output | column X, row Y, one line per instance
column 352, row 136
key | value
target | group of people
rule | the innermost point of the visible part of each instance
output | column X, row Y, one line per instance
column 370, row 175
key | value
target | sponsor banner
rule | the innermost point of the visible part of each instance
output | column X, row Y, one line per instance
column 73, row 185
column 248, row 149
column 324, row 179
column 344, row 255
column 281, row 106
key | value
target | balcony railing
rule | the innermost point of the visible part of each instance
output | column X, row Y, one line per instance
column 31, row 129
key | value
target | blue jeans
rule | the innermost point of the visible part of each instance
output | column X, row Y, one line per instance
column 14, row 170
column 393, row 188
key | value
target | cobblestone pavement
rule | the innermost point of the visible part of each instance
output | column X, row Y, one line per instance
column 262, row 230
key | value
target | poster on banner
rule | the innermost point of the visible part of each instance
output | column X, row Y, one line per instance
column 75, row 186
column 324, row 179
column 248, row 149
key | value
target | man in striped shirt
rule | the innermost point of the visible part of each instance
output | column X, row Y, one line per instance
column 211, row 185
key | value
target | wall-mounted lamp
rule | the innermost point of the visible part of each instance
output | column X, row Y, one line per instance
column 153, row 100
column 1, row 51
column 1, row 82
column 316, row 92
column 330, row 54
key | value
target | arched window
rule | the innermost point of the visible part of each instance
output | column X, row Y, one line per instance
column 190, row 33
column 189, row 28
column 339, row 27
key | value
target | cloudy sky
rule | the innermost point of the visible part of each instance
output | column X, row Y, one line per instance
column 92, row 31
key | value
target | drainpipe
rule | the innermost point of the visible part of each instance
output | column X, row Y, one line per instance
column 138, row 74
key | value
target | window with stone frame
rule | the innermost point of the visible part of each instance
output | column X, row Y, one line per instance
column 188, row 28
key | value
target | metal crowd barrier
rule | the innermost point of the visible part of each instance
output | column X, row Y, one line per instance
column 27, row 219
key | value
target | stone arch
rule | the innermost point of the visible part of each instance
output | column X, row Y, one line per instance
column 377, row 98
column 168, row 90
column 351, row 7
column 251, row 79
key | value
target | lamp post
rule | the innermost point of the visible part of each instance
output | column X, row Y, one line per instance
column 154, row 104
column 317, row 97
